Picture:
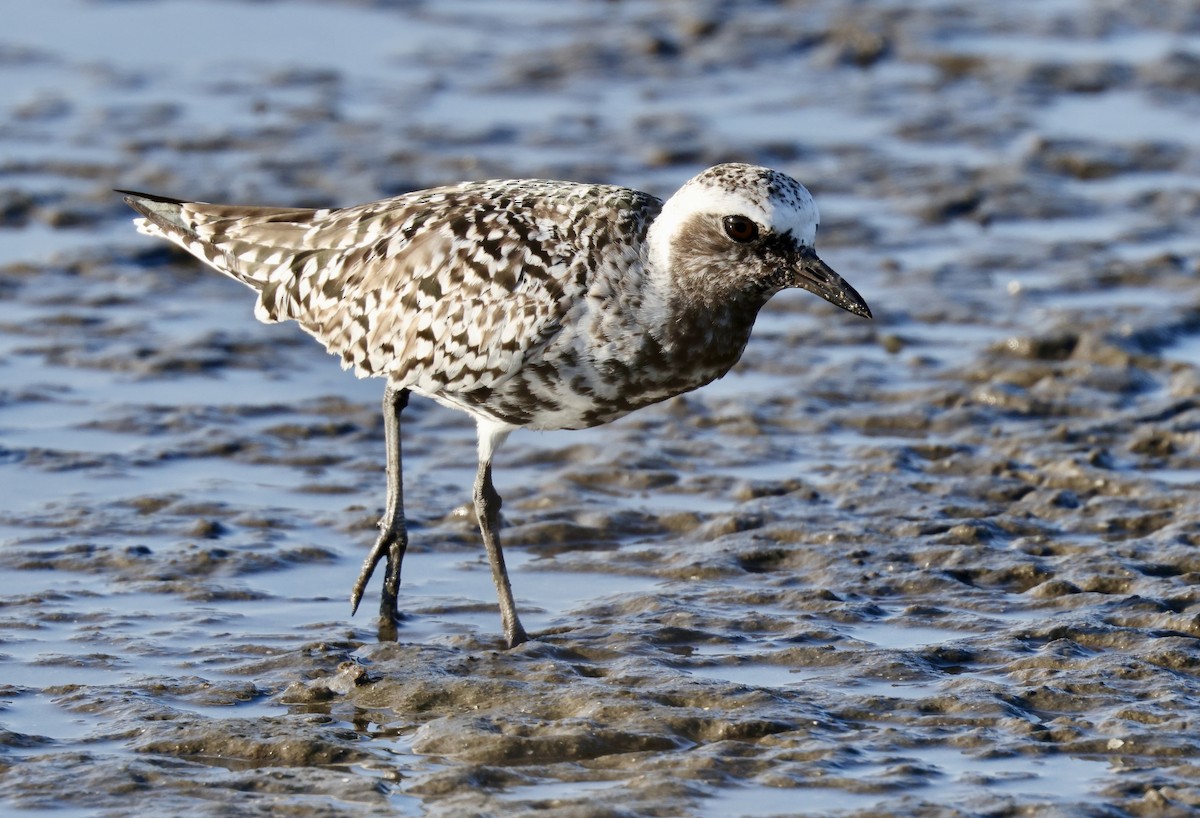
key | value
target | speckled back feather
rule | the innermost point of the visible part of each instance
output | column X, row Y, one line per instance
column 446, row 288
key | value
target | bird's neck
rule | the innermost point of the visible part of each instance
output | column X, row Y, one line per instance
column 719, row 330
column 698, row 327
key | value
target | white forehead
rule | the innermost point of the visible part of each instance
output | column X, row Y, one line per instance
column 796, row 213
column 774, row 200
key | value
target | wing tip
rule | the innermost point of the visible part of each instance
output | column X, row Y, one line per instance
column 160, row 214
column 145, row 203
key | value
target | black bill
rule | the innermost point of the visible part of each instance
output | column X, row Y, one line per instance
column 818, row 277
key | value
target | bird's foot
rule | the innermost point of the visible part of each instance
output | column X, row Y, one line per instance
column 388, row 628
column 390, row 546
column 514, row 634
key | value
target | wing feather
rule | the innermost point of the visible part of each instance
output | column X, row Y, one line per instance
column 444, row 290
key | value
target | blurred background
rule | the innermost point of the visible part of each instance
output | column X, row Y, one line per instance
column 941, row 563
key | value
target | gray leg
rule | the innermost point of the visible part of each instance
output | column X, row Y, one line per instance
column 393, row 536
column 487, row 508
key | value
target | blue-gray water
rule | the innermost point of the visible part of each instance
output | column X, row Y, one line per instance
column 942, row 563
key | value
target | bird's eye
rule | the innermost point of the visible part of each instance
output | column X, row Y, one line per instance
column 740, row 229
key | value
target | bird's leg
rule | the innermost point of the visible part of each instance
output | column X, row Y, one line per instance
column 487, row 509
column 393, row 536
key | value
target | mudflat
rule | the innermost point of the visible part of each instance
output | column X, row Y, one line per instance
column 941, row 563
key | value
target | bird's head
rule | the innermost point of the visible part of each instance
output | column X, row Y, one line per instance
column 744, row 231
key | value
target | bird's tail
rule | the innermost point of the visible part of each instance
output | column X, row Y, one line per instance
column 176, row 221
column 255, row 245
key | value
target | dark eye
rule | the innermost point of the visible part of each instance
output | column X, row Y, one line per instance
column 740, row 229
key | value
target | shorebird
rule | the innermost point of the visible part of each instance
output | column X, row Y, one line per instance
column 525, row 303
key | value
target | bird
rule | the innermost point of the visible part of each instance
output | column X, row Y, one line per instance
column 526, row 303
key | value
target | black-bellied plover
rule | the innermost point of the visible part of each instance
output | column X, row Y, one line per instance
column 525, row 303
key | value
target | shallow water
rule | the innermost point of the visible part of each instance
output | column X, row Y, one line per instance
column 942, row 563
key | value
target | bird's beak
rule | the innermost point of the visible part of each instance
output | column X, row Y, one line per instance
column 818, row 277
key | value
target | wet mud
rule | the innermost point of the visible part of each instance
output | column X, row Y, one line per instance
column 943, row 563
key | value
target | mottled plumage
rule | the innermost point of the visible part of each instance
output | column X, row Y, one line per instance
column 526, row 303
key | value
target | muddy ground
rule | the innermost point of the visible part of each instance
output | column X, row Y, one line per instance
column 942, row 563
